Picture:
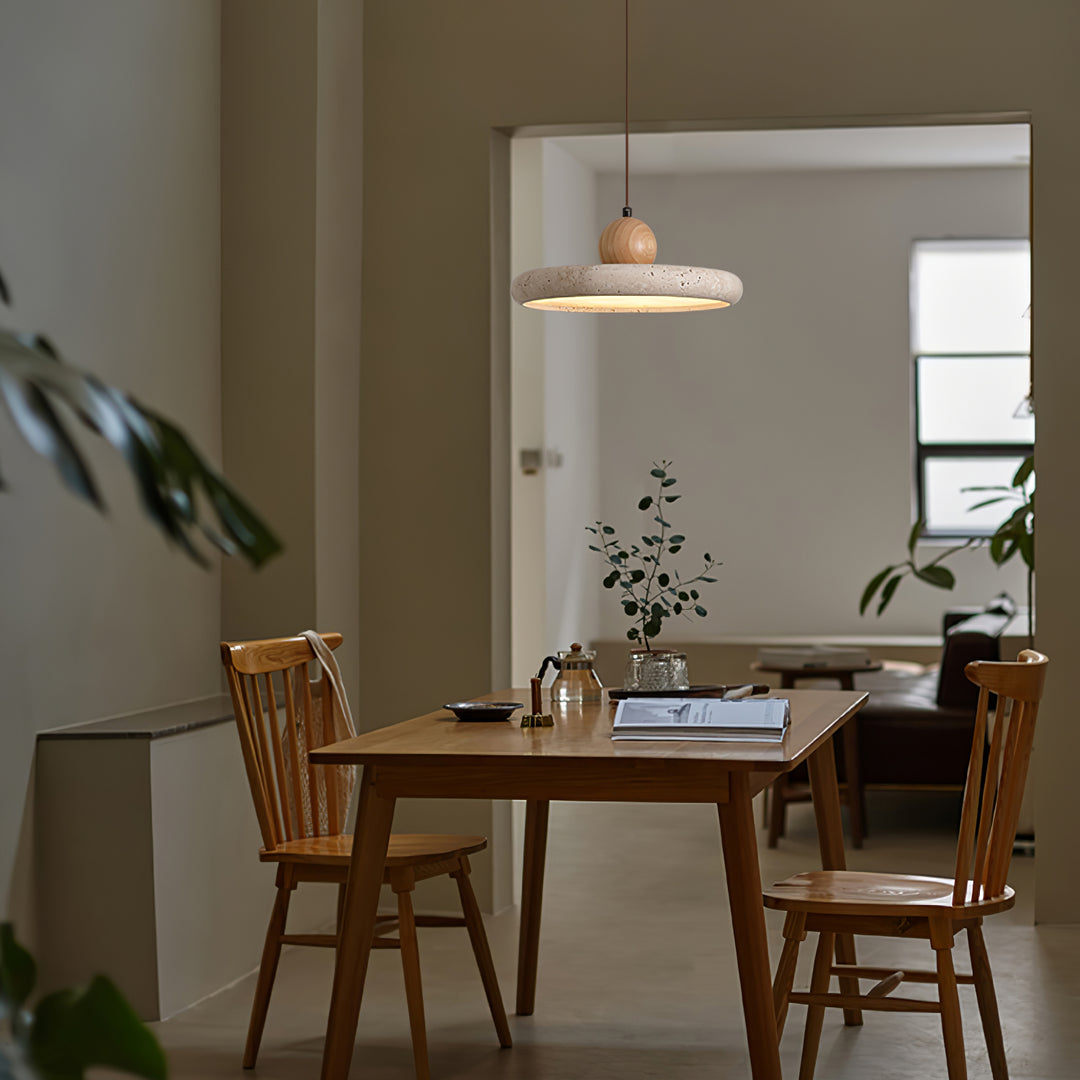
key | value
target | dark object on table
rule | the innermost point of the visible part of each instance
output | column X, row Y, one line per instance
column 703, row 691
column 483, row 710
column 536, row 718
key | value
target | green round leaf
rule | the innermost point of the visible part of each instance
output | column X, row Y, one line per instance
column 608, row 530
column 694, row 593
column 684, row 596
column 699, row 610
column 677, row 538
column 630, row 607
column 675, row 549
column 664, row 580
column 645, row 503
column 668, row 481
column 658, row 473
column 678, row 608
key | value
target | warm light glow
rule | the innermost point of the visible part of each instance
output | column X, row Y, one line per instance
column 617, row 304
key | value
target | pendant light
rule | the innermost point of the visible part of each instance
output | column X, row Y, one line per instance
column 627, row 279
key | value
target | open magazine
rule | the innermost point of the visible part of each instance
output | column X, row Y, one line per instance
column 702, row 719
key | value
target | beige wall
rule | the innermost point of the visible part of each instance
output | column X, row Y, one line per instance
column 447, row 74
column 290, row 256
column 109, row 238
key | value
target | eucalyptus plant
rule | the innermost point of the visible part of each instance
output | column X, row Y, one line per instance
column 1014, row 536
column 178, row 490
column 650, row 594
column 69, row 1031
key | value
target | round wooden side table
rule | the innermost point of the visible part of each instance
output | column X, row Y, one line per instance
column 784, row 790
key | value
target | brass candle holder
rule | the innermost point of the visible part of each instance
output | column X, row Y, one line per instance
column 536, row 718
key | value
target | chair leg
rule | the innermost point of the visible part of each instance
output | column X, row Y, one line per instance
column 478, row 937
column 414, row 995
column 941, row 940
column 794, row 935
column 267, row 971
column 988, row 1009
column 815, row 1014
column 777, row 809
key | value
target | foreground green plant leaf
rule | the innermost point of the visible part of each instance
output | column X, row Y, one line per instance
column 178, row 490
column 77, row 1030
column 18, row 972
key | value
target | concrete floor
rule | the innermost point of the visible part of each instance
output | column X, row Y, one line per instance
column 637, row 972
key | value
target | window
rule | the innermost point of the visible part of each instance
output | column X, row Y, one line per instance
column 971, row 347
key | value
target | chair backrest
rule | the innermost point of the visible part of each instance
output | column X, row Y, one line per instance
column 992, row 795
column 281, row 779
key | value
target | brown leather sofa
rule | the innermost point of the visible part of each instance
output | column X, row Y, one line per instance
column 917, row 732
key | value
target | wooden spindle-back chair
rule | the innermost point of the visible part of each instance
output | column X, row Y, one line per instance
column 301, row 813
column 899, row 905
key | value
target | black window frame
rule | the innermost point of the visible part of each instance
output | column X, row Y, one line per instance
column 923, row 451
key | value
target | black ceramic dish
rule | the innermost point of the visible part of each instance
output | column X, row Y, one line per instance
column 483, row 710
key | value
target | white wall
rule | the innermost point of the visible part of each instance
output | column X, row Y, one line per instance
column 788, row 417
column 555, row 407
column 570, row 406
column 109, row 238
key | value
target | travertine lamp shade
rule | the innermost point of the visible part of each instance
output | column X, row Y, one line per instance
column 627, row 280
column 626, row 287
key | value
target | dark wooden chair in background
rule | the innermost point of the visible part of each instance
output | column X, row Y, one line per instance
column 899, row 905
column 302, row 827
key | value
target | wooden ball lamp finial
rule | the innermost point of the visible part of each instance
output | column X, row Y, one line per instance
column 627, row 240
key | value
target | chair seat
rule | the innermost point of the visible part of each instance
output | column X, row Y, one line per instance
column 853, row 892
column 406, row 849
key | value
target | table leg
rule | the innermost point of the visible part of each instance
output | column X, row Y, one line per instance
column 739, row 841
column 826, row 796
column 532, row 892
column 373, row 820
column 856, row 797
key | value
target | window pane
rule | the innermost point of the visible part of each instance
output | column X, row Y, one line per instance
column 970, row 296
column 971, row 399
column 947, row 505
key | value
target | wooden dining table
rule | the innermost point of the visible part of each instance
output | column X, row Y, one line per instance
column 436, row 756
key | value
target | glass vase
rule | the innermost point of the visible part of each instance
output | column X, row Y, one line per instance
column 656, row 669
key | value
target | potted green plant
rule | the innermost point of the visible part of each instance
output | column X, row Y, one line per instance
column 650, row 591
column 1014, row 536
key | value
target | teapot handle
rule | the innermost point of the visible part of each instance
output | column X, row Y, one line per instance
column 553, row 660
